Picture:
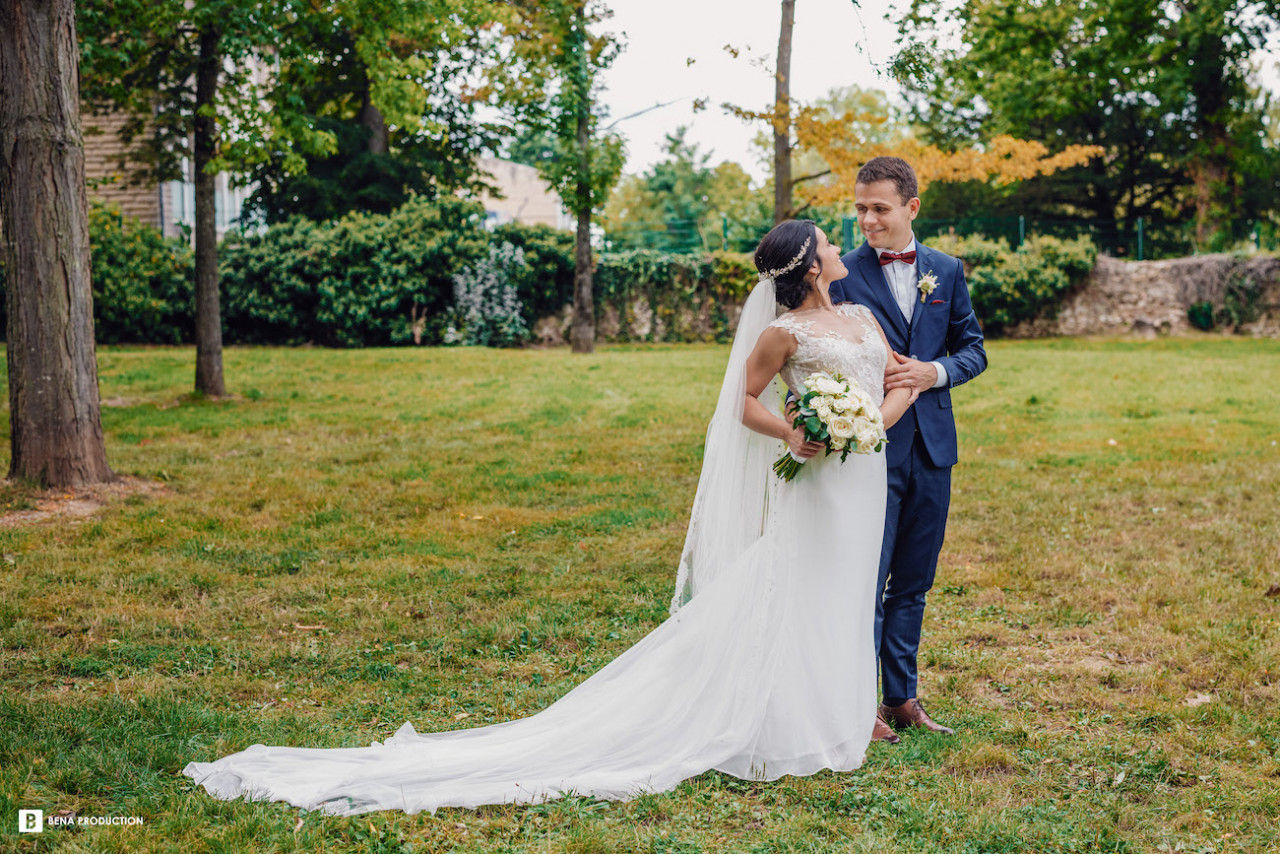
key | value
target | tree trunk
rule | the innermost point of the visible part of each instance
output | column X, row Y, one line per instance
column 371, row 117
column 208, row 310
column 782, row 117
column 583, row 333
column 55, row 428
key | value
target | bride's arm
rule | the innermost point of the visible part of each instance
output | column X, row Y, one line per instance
column 770, row 354
column 899, row 400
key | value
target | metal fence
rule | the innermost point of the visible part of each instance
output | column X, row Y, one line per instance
column 1140, row 239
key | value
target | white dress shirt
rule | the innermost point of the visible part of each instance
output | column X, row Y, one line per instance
column 904, row 284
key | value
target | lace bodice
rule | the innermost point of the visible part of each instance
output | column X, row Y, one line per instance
column 845, row 342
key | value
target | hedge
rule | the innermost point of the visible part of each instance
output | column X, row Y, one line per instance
column 1009, row 287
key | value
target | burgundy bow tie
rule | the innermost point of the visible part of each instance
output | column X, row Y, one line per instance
column 887, row 258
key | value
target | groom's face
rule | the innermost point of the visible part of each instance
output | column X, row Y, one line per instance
column 885, row 219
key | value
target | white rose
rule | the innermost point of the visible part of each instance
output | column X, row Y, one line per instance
column 864, row 426
column 867, row 443
column 841, row 427
column 839, row 444
column 825, row 385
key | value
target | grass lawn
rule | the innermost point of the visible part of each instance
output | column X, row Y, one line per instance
column 458, row 536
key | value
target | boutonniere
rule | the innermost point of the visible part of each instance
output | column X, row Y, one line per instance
column 928, row 283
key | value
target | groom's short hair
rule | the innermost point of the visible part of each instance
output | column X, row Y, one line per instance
column 893, row 169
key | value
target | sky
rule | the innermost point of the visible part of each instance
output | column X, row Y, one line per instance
column 835, row 43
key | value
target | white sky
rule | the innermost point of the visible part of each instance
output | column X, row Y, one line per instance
column 834, row 44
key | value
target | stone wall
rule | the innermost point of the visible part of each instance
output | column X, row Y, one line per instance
column 1152, row 297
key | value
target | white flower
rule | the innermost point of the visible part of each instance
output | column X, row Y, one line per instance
column 864, row 426
column 839, row 444
column 824, row 384
column 824, row 412
column 841, row 427
column 928, row 284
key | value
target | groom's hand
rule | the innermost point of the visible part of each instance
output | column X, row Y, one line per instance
column 906, row 372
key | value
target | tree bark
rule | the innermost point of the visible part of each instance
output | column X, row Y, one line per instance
column 208, row 311
column 55, row 427
column 782, row 117
column 582, row 335
column 371, row 117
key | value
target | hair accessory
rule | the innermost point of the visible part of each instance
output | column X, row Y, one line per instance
column 791, row 265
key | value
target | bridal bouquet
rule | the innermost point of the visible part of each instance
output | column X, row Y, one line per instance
column 838, row 413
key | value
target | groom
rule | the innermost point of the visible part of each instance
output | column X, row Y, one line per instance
column 920, row 298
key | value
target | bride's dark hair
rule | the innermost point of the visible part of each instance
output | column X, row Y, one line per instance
column 780, row 256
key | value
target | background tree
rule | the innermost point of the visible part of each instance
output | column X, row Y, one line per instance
column 55, row 428
column 1163, row 89
column 681, row 203
column 400, row 84
column 560, row 62
column 196, row 80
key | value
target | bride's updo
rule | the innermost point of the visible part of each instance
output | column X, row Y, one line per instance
column 785, row 255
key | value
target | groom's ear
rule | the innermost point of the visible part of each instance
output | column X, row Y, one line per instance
column 913, row 206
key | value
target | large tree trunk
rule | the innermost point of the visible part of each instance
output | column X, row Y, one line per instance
column 55, row 429
column 583, row 334
column 782, row 117
column 208, row 310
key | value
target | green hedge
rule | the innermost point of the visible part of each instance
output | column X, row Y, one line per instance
column 378, row 280
column 360, row 280
column 143, row 283
column 1010, row 287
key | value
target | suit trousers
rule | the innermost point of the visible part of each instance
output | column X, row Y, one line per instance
column 914, row 526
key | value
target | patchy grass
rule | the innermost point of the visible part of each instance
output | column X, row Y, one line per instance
column 456, row 537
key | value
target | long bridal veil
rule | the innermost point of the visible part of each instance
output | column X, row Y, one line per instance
column 732, row 502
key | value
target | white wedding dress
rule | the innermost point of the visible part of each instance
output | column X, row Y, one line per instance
column 768, row 670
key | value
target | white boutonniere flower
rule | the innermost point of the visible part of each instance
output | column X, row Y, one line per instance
column 928, row 283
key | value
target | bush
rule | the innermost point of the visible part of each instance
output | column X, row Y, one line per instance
column 486, row 301
column 1010, row 287
column 549, row 254
column 362, row 280
column 1200, row 315
column 1241, row 301
column 143, row 282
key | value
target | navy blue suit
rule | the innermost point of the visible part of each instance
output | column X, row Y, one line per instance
column 922, row 446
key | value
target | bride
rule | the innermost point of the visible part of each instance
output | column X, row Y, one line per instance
column 766, row 666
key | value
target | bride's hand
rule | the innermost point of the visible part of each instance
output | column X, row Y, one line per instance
column 799, row 447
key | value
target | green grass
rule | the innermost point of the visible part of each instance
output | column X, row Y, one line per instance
column 456, row 537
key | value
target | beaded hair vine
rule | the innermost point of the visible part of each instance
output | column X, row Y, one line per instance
column 791, row 265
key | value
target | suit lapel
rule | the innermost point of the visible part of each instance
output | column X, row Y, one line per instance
column 924, row 264
column 878, row 288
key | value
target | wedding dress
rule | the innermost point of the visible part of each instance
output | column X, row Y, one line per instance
column 766, row 669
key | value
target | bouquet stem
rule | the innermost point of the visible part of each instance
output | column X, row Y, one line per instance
column 787, row 466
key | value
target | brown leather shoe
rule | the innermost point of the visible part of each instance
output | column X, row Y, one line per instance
column 912, row 714
column 882, row 731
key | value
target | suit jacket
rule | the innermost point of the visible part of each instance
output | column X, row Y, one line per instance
column 943, row 329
